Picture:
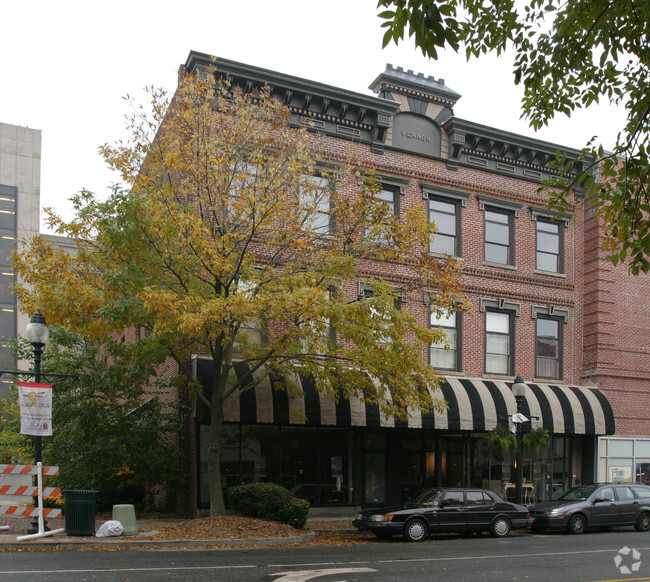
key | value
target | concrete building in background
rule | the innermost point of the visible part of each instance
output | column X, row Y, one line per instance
column 20, row 189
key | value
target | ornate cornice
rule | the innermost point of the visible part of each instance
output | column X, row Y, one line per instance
column 337, row 112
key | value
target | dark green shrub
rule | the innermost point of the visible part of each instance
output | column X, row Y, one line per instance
column 296, row 512
column 268, row 501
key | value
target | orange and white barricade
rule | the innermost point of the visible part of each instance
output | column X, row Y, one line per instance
column 38, row 490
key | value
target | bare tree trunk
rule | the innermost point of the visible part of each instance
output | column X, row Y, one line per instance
column 217, row 505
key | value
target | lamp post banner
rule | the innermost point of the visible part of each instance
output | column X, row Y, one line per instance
column 35, row 402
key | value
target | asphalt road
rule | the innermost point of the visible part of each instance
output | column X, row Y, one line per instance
column 605, row 556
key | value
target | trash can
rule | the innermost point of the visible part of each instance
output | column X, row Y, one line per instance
column 80, row 512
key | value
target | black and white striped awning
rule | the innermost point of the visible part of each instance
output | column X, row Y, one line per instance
column 473, row 404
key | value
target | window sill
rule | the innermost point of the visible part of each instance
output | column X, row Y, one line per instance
column 499, row 266
column 553, row 381
column 550, row 274
column 505, row 377
column 446, row 256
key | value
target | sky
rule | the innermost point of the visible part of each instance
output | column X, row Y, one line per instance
column 66, row 66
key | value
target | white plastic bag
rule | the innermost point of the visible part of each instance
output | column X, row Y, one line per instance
column 110, row 528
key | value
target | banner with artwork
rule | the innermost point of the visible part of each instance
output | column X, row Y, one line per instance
column 35, row 402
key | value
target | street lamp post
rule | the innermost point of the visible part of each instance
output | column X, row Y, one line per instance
column 37, row 335
column 518, row 390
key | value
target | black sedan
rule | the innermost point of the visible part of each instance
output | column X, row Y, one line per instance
column 595, row 506
column 445, row 510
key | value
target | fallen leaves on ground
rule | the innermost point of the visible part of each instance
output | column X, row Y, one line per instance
column 225, row 527
column 230, row 527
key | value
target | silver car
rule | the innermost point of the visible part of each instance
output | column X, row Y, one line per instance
column 599, row 506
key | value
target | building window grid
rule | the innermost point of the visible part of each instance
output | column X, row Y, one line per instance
column 445, row 215
column 549, row 246
column 499, row 356
column 445, row 355
column 499, row 237
column 548, row 348
column 388, row 195
column 315, row 195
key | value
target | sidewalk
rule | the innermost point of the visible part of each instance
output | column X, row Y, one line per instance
column 146, row 529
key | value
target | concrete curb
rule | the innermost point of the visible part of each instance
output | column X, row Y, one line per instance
column 8, row 542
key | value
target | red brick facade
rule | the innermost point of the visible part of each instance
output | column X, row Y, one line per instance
column 600, row 308
column 616, row 356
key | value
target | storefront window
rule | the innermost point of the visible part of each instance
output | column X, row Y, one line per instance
column 619, row 470
column 374, row 465
column 540, row 467
column 312, row 464
column 642, row 473
column 375, row 486
column 452, row 461
column 560, row 462
column 410, row 468
column 260, row 454
column 624, row 460
column 333, row 469
column 480, row 463
column 621, row 447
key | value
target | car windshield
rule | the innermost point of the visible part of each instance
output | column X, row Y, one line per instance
column 427, row 497
column 575, row 494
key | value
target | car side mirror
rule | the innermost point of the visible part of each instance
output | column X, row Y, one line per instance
column 443, row 503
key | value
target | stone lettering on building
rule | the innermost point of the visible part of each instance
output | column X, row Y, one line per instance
column 413, row 135
column 417, row 134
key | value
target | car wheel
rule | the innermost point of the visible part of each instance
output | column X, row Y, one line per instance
column 643, row 522
column 500, row 527
column 416, row 530
column 577, row 524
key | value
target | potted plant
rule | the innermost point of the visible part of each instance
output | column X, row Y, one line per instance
column 501, row 440
column 537, row 438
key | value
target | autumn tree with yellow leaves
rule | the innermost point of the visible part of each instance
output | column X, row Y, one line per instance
column 233, row 243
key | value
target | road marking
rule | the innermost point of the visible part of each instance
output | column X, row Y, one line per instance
column 451, row 559
column 303, row 575
column 161, row 569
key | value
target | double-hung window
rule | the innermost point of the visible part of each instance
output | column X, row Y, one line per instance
column 444, row 207
column 549, row 240
column 445, row 216
column 499, row 230
column 549, row 327
column 252, row 329
column 444, row 355
column 499, row 342
column 548, row 348
column 548, row 246
column 381, row 321
column 498, row 237
column 314, row 202
column 500, row 317
column 388, row 195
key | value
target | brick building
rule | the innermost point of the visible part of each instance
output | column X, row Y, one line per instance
column 616, row 357
column 544, row 304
